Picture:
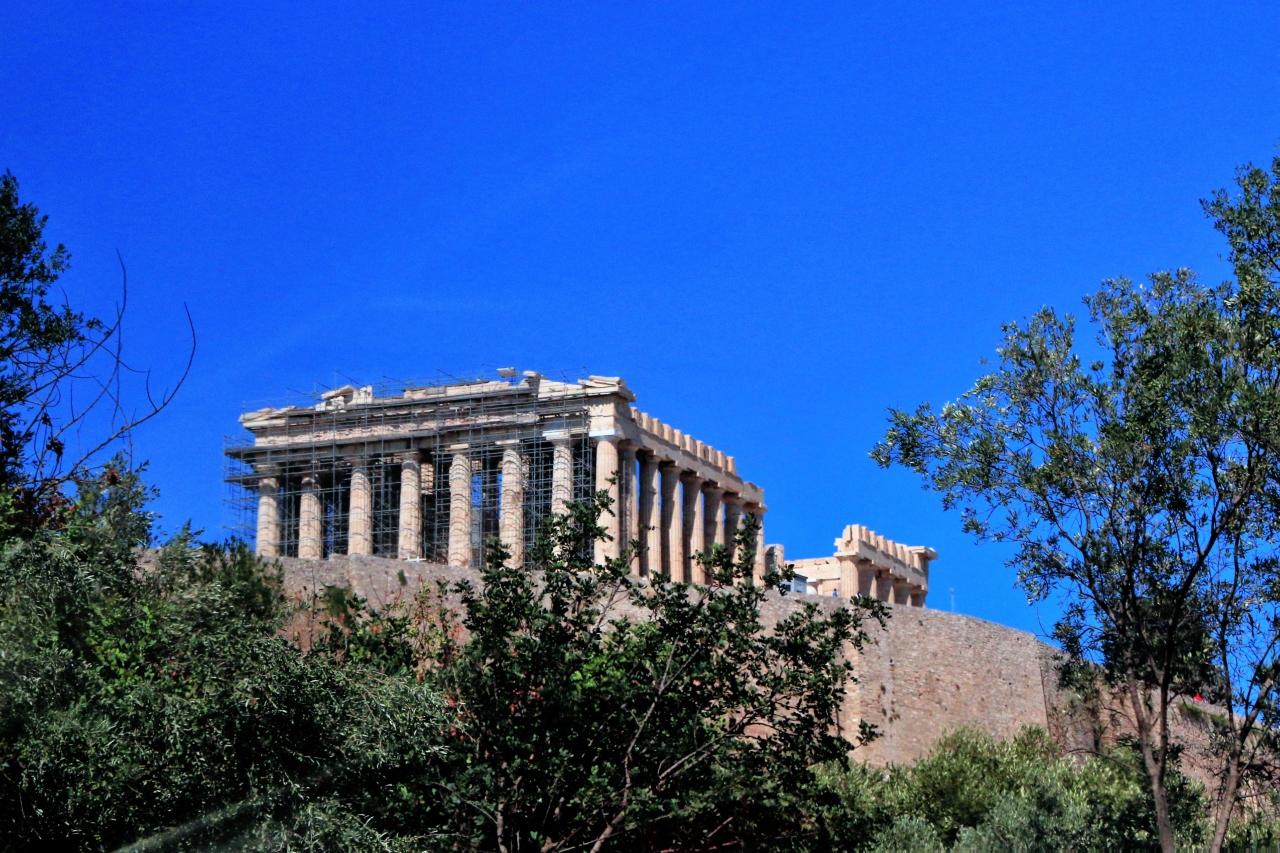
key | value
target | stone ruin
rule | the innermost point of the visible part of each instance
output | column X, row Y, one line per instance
column 866, row 563
column 438, row 472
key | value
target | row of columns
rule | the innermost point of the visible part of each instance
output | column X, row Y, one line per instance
column 671, row 531
column 409, row 534
column 880, row 583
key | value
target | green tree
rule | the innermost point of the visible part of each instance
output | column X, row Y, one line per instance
column 159, row 699
column 63, row 378
column 596, row 710
column 1140, row 477
column 1245, row 623
column 152, row 696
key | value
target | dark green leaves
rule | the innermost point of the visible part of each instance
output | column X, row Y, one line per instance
column 1144, row 489
column 595, row 707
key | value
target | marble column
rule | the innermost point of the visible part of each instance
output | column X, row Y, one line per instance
column 758, row 569
column 268, row 538
column 561, row 473
column 695, row 529
column 775, row 557
column 884, row 586
column 631, row 505
column 672, row 534
column 310, row 520
column 409, row 545
column 648, row 524
column 608, row 480
column 732, row 518
column 360, row 510
column 459, row 507
column 866, row 578
column 902, row 592
column 848, row 583
column 511, row 511
column 714, row 518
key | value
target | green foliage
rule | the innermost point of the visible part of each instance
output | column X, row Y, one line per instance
column 159, row 701
column 1140, row 479
column 67, row 396
column 1258, row 830
column 38, row 342
column 135, row 698
column 594, row 708
column 354, row 631
column 974, row 793
column 323, row 825
column 910, row 833
column 1250, row 220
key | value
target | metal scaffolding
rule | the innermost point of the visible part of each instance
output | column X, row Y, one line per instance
column 318, row 444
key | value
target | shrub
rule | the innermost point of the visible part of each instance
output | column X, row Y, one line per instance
column 975, row 793
column 137, row 699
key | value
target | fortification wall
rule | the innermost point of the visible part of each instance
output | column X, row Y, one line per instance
column 926, row 673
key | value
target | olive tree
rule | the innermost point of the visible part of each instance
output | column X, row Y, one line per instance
column 1139, row 477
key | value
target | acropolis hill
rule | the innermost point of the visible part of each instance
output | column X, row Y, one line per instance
column 381, row 492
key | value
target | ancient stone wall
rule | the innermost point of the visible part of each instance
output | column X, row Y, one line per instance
column 926, row 673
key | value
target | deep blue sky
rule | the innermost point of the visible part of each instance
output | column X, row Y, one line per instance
column 775, row 222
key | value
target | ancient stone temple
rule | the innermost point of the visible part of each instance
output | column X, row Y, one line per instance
column 866, row 563
column 438, row 472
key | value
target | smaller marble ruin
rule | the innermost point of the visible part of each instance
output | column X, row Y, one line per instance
column 866, row 563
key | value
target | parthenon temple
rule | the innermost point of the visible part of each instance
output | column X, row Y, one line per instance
column 440, row 472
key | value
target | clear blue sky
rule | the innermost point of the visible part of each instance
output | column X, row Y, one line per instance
column 774, row 221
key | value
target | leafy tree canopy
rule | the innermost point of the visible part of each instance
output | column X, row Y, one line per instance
column 593, row 709
column 1139, row 476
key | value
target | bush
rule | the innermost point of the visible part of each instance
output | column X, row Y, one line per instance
column 593, row 708
column 975, row 793
column 158, row 699
column 135, row 699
